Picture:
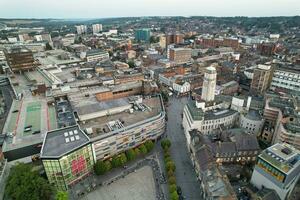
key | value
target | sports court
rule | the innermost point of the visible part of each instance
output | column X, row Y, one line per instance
column 33, row 117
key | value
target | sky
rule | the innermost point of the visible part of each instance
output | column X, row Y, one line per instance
column 127, row 8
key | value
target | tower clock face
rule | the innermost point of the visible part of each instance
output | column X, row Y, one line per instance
column 78, row 165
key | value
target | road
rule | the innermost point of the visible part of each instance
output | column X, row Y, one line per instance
column 185, row 175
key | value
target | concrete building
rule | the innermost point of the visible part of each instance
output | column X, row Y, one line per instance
column 117, row 131
column 67, row 155
column 262, row 77
column 277, row 168
column 20, row 59
column 180, row 55
column 81, row 29
column 142, row 34
column 209, row 84
column 286, row 79
column 96, row 55
column 174, row 38
column 162, row 41
column 252, row 121
column 209, row 121
column 282, row 115
column 97, row 28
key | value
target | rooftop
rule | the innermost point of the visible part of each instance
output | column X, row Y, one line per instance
column 106, row 124
column 282, row 156
column 61, row 141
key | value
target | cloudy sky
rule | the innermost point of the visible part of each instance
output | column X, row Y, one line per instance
column 121, row 8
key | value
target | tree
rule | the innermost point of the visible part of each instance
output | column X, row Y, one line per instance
column 172, row 188
column 172, row 180
column 115, row 162
column 100, row 168
column 122, row 159
column 165, row 96
column 165, row 144
column 174, row 196
column 168, row 159
column 130, row 154
column 154, row 39
column 143, row 149
column 26, row 184
column 149, row 145
column 108, row 165
column 48, row 46
column 170, row 166
column 131, row 63
column 61, row 195
column 137, row 151
column 170, row 173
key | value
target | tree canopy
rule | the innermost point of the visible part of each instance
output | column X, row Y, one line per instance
column 26, row 184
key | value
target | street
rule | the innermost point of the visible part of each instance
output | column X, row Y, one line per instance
column 185, row 175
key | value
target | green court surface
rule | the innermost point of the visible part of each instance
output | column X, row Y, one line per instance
column 52, row 118
column 33, row 117
column 13, row 117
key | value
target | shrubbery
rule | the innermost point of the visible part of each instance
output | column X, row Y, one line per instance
column 170, row 169
column 101, row 167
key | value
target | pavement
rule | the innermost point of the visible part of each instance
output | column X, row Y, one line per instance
column 185, row 175
column 135, row 186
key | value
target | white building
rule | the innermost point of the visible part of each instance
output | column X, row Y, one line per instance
column 81, row 29
column 97, row 28
column 207, row 121
column 96, row 55
column 252, row 121
column 182, row 88
column 209, row 84
column 286, row 79
column 277, row 168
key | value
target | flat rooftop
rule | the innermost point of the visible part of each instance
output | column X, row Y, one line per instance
column 282, row 156
column 153, row 108
column 61, row 141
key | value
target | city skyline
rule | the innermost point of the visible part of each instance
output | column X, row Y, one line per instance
column 115, row 8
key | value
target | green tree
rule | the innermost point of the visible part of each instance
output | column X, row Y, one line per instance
column 168, row 159
column 48, row 46
column 130, row 154
column 123, row 159
column 108, row 165
column 174, row 196
column 172, row 188
column 61, row 195
column 26, row 184
column 100, row 168
column 131, row 63
column 137, row 151
column 172, row 180
column 170, row 166
column 165, row 144
column 170, row 173
column 149, row 145
column 143, row 149
column 115, row 162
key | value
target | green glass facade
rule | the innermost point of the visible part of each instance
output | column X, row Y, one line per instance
column 69, row 168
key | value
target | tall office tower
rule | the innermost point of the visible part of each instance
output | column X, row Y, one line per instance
column 97, row 28
column 277, row 168
column 262, row 77
column 143, row 34
column 162, row 41
column 81, row 29
column 209, row 84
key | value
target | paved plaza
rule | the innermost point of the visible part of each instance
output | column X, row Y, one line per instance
column 137, row 185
